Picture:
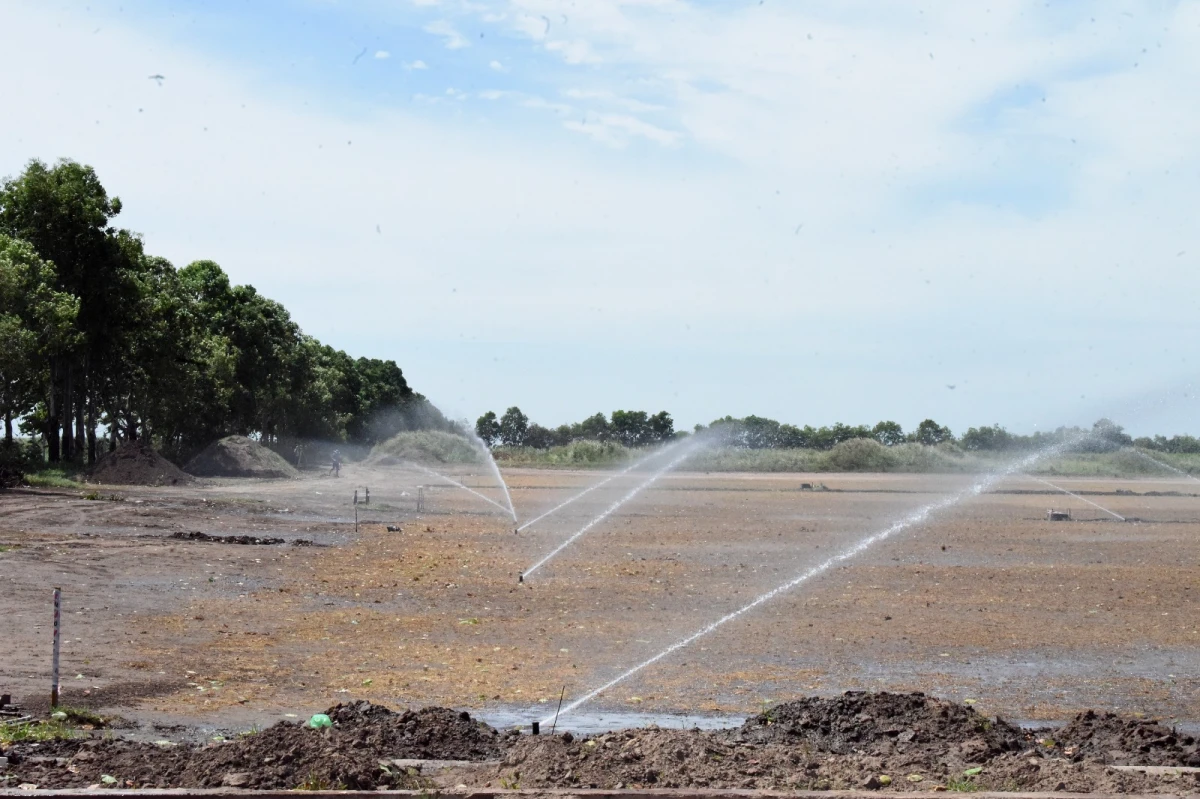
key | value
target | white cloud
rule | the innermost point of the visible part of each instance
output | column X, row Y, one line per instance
column 497, row 66
column 617, row 129
column 418, row 64
column 575, row 51
column 452, row 39
column 382, row 54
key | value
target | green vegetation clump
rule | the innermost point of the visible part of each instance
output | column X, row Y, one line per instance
column 52, row 478
column 425, row 446
column 35, row 731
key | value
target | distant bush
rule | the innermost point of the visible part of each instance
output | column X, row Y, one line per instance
column 861, row 455
column 426, row 446
column 577, row 453
column 23, row 454
column 757, row 460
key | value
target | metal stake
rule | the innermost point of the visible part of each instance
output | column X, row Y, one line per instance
column 560, row 699
column 54, row 687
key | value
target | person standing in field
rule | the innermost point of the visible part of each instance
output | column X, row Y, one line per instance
column 336, row 468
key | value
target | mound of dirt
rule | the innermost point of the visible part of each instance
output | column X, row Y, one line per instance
column 350, row 755
column 238, row 456
column 1122, row 741
column 136, row 463
column 883, row 724
column 658, row 758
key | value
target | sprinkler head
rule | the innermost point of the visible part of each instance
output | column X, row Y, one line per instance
column 520, row 578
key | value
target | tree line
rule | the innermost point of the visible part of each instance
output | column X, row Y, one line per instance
column 637, row 428
column 629, row 428
column 100, row 338
column 756, row 432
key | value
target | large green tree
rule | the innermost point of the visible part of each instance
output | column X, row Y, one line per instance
column 36, row 324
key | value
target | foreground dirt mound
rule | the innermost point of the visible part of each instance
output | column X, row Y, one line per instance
column 432, row 733
column 238, row 456
column 352, row 754
column 656, row 758
column 881, row 724
column 1122, row 741
column 136, row 463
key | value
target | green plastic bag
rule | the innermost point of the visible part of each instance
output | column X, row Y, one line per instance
column 320, row 721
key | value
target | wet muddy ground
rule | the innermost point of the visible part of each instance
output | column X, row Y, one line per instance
column 988, row 601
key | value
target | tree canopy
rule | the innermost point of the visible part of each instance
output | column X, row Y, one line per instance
column 97, row 334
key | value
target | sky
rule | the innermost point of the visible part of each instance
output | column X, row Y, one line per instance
column 822, row 211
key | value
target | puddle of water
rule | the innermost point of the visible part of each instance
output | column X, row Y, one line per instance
column 600, row 721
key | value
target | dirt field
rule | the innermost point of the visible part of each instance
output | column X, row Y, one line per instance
column 986, row 602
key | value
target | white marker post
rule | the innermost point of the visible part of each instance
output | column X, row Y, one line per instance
column 54, row 687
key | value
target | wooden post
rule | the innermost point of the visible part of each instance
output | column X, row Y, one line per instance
column 54, row 686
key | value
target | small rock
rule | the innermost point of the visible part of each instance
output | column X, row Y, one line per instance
column 872, row 783
column 567, row 737
column 915, row 778
column 236, row 779
column 27, row 786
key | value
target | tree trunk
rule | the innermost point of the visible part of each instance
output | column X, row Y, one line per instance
column 52, row 441
column 91, row 429
column 8, row 428
column 80, row 452
column 64, row 417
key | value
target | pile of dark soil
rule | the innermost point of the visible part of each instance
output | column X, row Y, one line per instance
column 238, row 456
column 656, row 758
column 1122, row 741
column 245, row 540
column 883, row 724
column 893, row 742
column 136, row 463
column 353, row 754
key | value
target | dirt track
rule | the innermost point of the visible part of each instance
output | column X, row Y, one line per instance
column 1031, row 619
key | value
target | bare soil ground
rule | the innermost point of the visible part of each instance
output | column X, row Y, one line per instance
column 987, row 602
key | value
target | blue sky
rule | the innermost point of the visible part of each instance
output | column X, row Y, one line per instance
column 821, row 211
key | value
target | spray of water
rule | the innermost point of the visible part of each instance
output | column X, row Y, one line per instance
column 1116, row 516
column 916, row 518
column 1167, row 466
column 454, row 482
column 487, row 453
column 610, row 510
column 601, row 484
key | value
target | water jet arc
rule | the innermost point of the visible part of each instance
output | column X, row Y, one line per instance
column 487, row 453
column 611, row 509
column 917, row 517
column 592, row 488
column 1116, row 516
column 457, row 484
column 1168, row 466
